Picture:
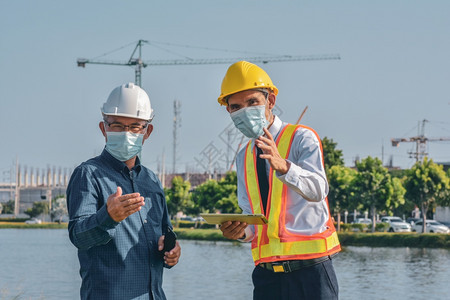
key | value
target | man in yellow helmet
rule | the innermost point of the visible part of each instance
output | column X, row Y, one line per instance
column 281, row 175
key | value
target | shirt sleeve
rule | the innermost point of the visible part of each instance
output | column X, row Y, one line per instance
column 89, row 225
column 306, row 174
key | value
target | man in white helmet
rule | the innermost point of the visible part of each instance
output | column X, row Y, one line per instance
column 117, row 208
column 280, row 174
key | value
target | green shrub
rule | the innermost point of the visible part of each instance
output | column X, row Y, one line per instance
column 381, row 227
column 200, row 234
column 15, row 220
column 381, row 239
column 358, row 227
column 189, row 224
column 345, row 227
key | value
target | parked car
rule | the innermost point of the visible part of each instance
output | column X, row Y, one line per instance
column 199, row 219
column 432, row 227
column 362, row 221
column 396, row 224
column 33, row 221
column 412, row 221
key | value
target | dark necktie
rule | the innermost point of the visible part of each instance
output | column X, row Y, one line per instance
column 262, row 178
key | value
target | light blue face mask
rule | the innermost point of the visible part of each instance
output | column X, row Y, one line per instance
column 250, row 120
column 124, row 145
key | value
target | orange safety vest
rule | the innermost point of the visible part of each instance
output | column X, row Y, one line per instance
column 272, row 242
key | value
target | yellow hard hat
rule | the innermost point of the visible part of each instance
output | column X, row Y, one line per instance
column 243, row 76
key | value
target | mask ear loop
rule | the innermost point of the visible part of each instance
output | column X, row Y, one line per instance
column 266, row 94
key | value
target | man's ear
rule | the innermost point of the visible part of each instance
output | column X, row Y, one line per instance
column 272, row 98
column 101, row 125
column 148, row 132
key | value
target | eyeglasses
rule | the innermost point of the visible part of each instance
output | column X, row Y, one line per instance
column 118, row 127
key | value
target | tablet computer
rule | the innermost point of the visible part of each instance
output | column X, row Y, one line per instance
column 221, row 218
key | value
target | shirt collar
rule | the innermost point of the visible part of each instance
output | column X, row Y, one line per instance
column 117, row 164
column 274, row 129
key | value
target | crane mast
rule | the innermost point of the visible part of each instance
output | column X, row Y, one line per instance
column 420, row 140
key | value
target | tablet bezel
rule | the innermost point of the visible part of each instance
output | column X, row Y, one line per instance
column 256, row 219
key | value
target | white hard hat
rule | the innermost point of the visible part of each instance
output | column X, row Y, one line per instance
column 128, row 100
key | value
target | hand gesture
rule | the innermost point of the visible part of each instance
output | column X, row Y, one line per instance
column 270, row 152
column 121, row 206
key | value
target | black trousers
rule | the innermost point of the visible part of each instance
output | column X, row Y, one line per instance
column 317, row 282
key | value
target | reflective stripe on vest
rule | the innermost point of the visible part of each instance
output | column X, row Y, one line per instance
column 272, row 242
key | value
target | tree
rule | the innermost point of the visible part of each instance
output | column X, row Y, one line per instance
column 426, row 184
column 178, row 197
column 59, row 208
column 228, row 202
column 39, row 207
column 331, row 155
column 206, row 195
column 398, row 194
column 446, row 199
column 213, row 195
column 8, row 207
column 373, row 186
column 339, row 195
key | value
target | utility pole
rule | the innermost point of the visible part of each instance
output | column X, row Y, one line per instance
column 163, row 170
column 176, row 125
column 17, row 188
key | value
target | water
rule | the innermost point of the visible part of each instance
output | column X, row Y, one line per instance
column 42, row 264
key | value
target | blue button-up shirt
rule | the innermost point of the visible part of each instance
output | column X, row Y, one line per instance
column 117, row 260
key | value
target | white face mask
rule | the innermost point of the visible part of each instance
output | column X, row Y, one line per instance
column 124, row 145
column 251, row 120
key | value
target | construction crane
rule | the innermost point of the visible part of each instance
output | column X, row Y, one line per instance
column 421, row 142
column 137, row 62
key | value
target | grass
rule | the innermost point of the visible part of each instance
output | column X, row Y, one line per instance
column 200, row 234
column 378, row 239
column 43, row 225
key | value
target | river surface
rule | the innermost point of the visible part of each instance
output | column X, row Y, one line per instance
column 43, row 264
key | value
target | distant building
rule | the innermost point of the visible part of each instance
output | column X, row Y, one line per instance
column 28, row 195
column 34, row 185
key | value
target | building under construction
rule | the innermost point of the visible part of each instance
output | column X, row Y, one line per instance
column 28, row 186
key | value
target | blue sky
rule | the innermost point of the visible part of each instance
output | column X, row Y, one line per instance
column 393, row 72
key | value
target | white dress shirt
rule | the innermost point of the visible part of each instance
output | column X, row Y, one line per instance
column 307, row 210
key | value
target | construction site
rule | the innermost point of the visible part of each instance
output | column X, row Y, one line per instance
column 26, row 185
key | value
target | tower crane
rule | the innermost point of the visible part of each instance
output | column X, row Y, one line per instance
column 138, row 63
column 136, row 60
column 420, row 140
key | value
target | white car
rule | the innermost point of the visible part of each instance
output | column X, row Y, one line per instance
column 396, row 224
column 362, row 221
column 432, row 227
column 33, row 221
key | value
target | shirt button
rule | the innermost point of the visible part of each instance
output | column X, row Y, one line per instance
column 145, row 221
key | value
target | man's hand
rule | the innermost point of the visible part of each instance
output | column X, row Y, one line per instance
column 233, row 230
column 270, row 152
column 121, row 206
column 170, row 258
